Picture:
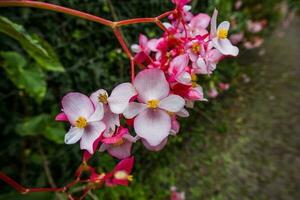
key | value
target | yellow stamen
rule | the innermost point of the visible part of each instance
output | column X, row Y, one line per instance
column 170, row 113
column 196, row 47
column 222, row 33
column 81, row 122
column 103, row 98
column 153, row 103
column 119, row 142
column 194, row 80
column 123, row 175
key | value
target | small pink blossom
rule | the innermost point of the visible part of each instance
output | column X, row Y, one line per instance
column 224, row 86
column 213, row 93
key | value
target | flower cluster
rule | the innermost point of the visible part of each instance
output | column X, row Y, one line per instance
column 159, row 94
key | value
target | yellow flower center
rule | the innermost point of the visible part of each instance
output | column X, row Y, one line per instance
column 81, row 122
column 222, row 33
column 119, row 142
column 196, row 48
column 123, row 175
column 103, row 98
column 153, row 103
column 194, row 80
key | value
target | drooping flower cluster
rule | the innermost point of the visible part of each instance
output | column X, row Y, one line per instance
column 162, row 90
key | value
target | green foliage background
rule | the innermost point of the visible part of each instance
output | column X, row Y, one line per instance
column 87, row 57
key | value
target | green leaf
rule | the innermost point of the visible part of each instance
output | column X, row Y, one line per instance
column 44, row 125
column 32, row 126
column 26, row 77
column 35, row 46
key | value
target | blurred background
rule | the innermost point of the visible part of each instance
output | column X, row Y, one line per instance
column 242, row 144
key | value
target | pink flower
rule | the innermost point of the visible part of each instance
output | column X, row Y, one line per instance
column 219, row 37
column 85, row 120
column 175, row 195
column 155, row 148
column 198, row 25
column 254, row 43
column 224, row 86
column 153, row 123
column 142, row 50
column 119, row 145
column 237, row 38
column 256, row 26
column 177, row 69
column 114, row 104
column 238, row 4
column 213, row 93
column 121, row 173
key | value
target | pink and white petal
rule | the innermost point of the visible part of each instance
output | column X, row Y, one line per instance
column 225, row 47
column 224, row 25
column 172, row 103
column 153, row 125
column 143, row 41
column 120, row 96
column 131, row 138
column 178, row 64
column 77, row 105
column 95, row 96
column 73, row 135
column 152, row 44
column 155, row 148
column 214, row 55
column 183, row 113
column 213, row 24
column 200, row 21
column 121, row 151
column 184, row 78
column 98, row 114
column 175, row 126
column 134, row 109
column 200, row 66
column 151, row 84
column 91, row 133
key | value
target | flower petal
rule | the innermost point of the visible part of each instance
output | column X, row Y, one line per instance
column 73, row 135
column 224, row 25
column 151, row 84
column 225, row 47
column 91, row 133
column 135, row 48
column 172, row 103
column 178, row 64
column 153, row 125
column 98, row 114
column 133, row 109
column 183, row 113
column 61, row 117
column 77, row 105
column 200, row 21
column 120, row 96
column 121, row 151
column 184, row 78
column 155, row 148
column 213, row 24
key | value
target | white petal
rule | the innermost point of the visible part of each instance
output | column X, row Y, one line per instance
column 172, row 103
column 151, row 84
column 155, row 148
column 133, row 109
column 152, row 44
column 184, row 78
column 153, row 125
column 135, row 48
column 77, row 105
column 98, row 114
column 91, row 133
column 224, row 25
column 213, row 25
column 225, row 47
column 73, row 135
column 183, row 113
column 120, row 97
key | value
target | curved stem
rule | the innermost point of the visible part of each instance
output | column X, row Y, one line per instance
column 52, row 7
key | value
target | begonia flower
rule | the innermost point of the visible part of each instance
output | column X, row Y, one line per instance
column 152, row 122
column 219, row 37
column 85, row 120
